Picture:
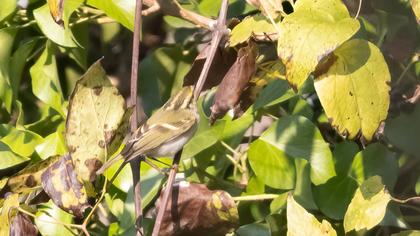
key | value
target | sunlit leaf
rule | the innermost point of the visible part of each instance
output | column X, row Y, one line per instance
column 415, row 4
column 368, row 206
column 96, row 111
column 357, row 68
column 215, row 211
column 50, row 212
column 252, row 26
column 9, row 158
column 61, row 183
column 301, row 222
column 298, row 137
column 21, row 142
column 60, row 35
column 45, row 81
column 271, row 165
column 122, row 11
column 52, row 145
column 311, row 33
column 7, row 8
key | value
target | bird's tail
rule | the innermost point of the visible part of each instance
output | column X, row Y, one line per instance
column 108, row 164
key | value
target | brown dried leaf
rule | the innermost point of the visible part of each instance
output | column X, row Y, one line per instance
column 235, row 82
column 223, row 60
column 22, row 226
column 60, row 182
column 193, row 209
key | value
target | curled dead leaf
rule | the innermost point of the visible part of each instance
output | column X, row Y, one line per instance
column 22, row 226
column 193, row 209
column 223, row 60
column 56, row 10
column 235, row 82
column 60, row 182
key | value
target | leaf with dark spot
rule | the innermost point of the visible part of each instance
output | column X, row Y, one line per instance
column 193, row 209
column 28, row 179
column 22, row 226
column 223, row 60
column 234, row 82
column 60, row 182
column 96, row 112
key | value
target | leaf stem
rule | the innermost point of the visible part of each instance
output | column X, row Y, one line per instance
column 259, row 197
column 52, row 221
column 403, row 201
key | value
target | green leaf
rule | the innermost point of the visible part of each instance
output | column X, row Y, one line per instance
column 7, row 8
column 334, row 196
column 9, row 158
column 404, row 130
column 303, row 191
column 376, row 159
column 60, row 35
column 50, row 212
column 45, row 81
column 251, row 26
column 121, row 11
column 21, row 142
column 298, row 137
column 415, row 4
column 274, row 93
column 334, row 8
column 354, row 92
column 259, row 229
column 271, row 165
column 7, row 36
column 161, row 75
column 96, row 111
column 368, row 206
column 18, row 62
column 309, row 34
column 343, row 154
column 301, row 222
column 52, row 145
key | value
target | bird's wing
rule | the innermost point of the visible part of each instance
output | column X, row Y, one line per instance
column 161, row 129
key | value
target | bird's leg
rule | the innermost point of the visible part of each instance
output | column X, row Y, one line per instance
column 151, row 164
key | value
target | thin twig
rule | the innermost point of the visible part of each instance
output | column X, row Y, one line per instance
column 259, row 197
column 166, row 194
column 403, row 201
column 135, row 163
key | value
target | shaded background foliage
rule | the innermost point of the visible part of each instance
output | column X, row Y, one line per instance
column 291, row 147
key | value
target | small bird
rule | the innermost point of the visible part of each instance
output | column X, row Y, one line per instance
column 165, row 132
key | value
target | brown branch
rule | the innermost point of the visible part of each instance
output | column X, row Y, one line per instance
column 219, row 31
column 173, row 8
column 135, row 163
column 166, row 193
